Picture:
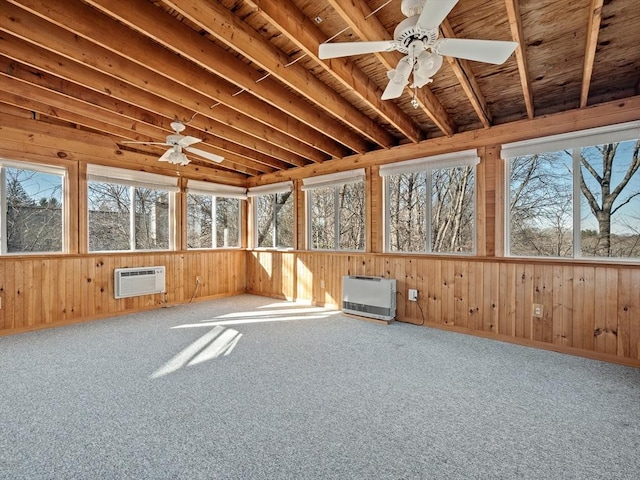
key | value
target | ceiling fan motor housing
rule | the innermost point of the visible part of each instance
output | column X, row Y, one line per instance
column 174, row 139
column 407, row 32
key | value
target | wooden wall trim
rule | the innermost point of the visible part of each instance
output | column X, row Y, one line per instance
column 42, row 291
column 588, row 309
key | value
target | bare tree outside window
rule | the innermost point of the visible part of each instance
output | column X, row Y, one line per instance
column 227, row 222
column 110, row 207
column 337, row 216
column 152, row 219
column 610, row 187
column 541, row 199
column 407, row 216
column 109, row 217
column 199, row 221
column 351, row 216
column 33, row 211
column 447, row 195
column 322, row 209
column 274, row 220
column 541, row 202
column 452, row 209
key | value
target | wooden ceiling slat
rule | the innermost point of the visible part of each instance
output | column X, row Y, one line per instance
column 593, row 28
column 355, row 14
column 223, row 25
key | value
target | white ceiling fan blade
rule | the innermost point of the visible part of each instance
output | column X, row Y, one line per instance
column 434, row 12
column 345, row 49
column 209, row 156
column 398, row 78
column 165, row 156
column 490, row 51
column 186, row 141
column 148, row 143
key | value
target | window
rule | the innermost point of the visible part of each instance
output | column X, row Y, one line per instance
column 130, row 210
column 32, row 214
column 209, row 201
column 274, row 219
column 430, row 204
column 336, row 211
column 576, row 195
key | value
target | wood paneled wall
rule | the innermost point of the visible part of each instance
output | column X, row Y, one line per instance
column 39, row 291
column 588, row 309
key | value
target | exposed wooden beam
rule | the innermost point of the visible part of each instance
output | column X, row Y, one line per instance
column 515, row 23
column 54, row 105
column 62, row 67
column 467, row 79
column 136, row 123
column 229, row 29
column 593, row 28
column 108, row 46
column 163, row 28
column 301, row 31
column 356, row 14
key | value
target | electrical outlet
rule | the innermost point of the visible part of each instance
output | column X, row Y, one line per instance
column 198, row 279
column 538, row 310
column 322, row 283
column 413, row 295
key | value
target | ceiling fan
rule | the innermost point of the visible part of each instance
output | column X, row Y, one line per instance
column 178, row 143
column 417, row 37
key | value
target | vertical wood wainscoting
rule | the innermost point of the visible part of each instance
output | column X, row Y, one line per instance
column 43, row 291
column 587, row 309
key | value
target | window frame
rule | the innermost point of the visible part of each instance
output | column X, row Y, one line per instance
column 465, row 158
column 336, row 181
column 215, row 191
column 573, row 141
column 61, row 171
column 271, row 189
column 135, row 179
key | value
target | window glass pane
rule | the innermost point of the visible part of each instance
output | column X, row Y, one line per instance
column 284, row 219
column 351, row 216
column 264, row 219
column 452, row 209
column 34, row 211
column 227, row 222
column 152, row 219
column 407, row 210
column 322, row 218
column 541, row 205
column 199, row 224
column 610, row 200
column 109, row 221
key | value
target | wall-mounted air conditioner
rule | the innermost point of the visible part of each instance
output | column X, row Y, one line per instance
column 373, row 297
column 132, row 282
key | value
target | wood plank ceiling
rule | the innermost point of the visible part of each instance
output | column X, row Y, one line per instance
column 245, row 77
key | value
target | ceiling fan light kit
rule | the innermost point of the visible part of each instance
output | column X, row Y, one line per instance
column 178, row 143
column 417, row 37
